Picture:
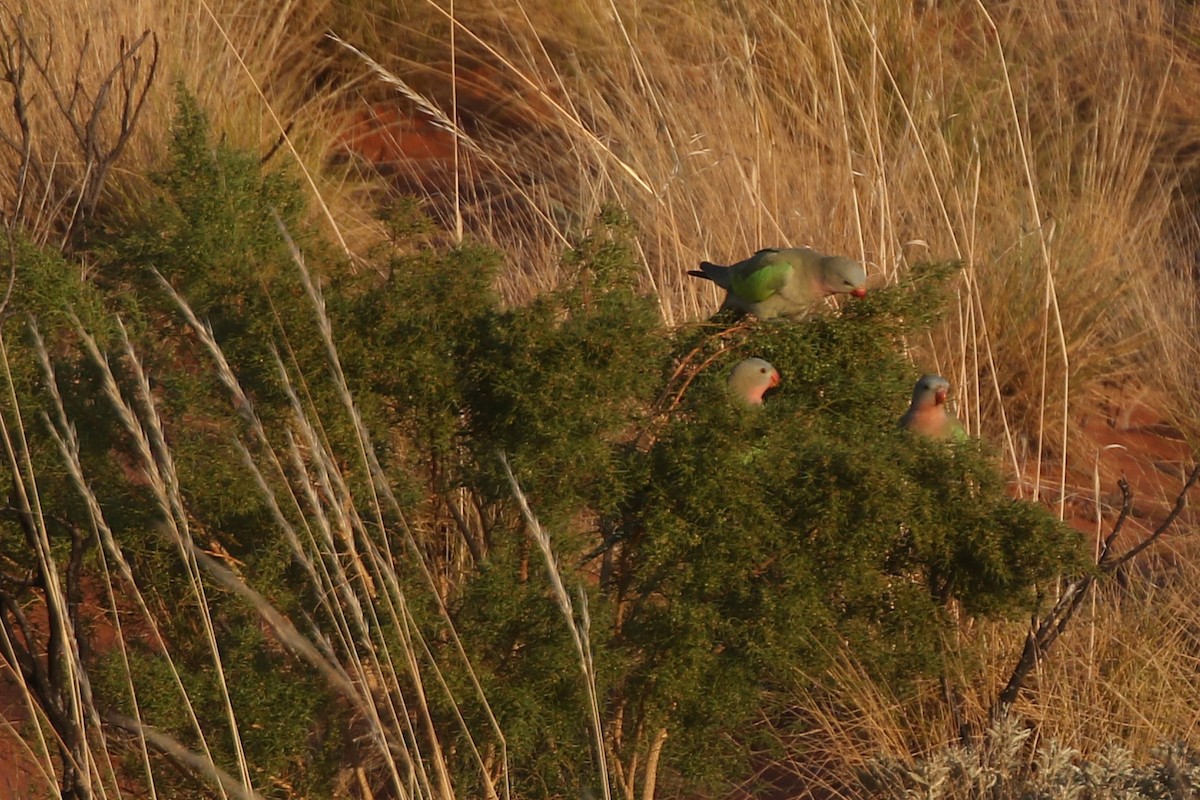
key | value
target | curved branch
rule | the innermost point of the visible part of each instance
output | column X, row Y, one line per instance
column 1042, row 637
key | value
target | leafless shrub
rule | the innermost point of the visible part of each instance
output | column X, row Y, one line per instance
column 50, row 188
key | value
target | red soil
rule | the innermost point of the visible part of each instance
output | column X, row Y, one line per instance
column 20, row 777
column 384, row 135
column 1125, row 437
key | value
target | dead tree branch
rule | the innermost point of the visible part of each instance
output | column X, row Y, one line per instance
column 13, row 59
column 1046, row 631
column 100, row 113
column 49, row 655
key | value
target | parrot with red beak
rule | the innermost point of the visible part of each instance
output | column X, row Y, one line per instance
column 750, row 379
column 928, row 415
column 784, row 282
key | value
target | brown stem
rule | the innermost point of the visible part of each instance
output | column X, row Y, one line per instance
column 1046, row 632
column 656, row 746
column 1180, row 504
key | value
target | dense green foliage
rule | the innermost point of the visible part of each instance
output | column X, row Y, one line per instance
column 764, row 540
column 737, row 548
column 211, row 232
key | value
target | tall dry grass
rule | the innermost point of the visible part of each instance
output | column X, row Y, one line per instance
column 1122, row 678
column 261, row 74
column 1052, row 147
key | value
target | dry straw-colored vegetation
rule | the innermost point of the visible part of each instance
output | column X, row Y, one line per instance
column 1053, row 147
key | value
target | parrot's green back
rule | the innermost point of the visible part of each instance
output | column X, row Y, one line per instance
column 761, row 276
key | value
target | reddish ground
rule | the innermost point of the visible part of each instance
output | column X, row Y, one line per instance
column 1123, row 438
column 19, row 775
column 383, row 134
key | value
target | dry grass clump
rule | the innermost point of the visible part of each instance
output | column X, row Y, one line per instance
column 1052, row 149
column 1114, row 704
column 1124, row 675
column 257, row 72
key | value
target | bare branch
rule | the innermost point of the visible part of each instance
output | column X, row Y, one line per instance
column 101, row 114
column 280, row 142
column 19, row 653
column 1042, row 637
column 10, row 240
column 1176, row 510
column 13, row 57
column 1126, row 508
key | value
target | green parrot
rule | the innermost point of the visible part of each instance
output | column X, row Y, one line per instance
column 928, row 415
column 750, row 378
column 784, row 282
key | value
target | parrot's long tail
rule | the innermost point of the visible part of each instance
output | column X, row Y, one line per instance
column 713, row 272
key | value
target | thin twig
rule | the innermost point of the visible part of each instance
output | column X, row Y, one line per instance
column 1053, row 624
column 1176, row 510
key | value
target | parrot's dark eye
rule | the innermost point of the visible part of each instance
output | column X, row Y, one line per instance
column 763, row 370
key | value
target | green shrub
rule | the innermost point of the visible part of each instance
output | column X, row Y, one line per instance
column 737, row 547
column 211, row 231
column 762, row 538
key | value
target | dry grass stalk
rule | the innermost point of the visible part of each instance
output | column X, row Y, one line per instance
column 580, row 637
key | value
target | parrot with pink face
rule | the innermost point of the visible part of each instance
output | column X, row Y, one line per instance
column 784, row 282
column 928, row 415
column 750, row 378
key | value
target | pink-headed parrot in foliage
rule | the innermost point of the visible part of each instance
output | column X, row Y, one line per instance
column 928, row 415
column 750, row 379
column 784, row 282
